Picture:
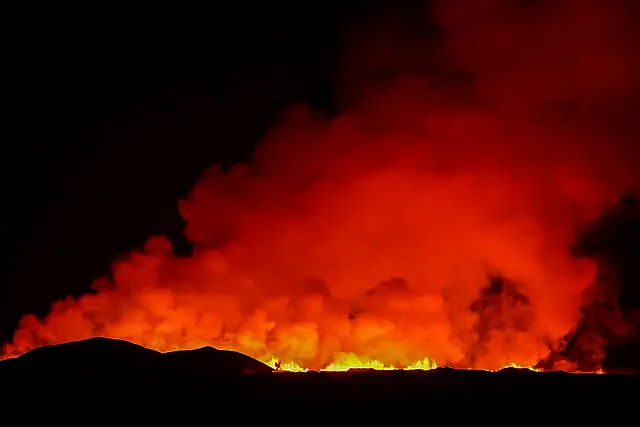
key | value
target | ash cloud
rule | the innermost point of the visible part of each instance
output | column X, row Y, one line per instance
column 434, row 216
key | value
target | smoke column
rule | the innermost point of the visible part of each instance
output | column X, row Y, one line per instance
column 433, row 217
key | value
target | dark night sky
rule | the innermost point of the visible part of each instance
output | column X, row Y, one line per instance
column 116, row 113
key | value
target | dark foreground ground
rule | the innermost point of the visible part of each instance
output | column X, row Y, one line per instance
column 105, row 369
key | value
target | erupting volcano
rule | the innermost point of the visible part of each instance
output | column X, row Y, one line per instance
column 431, row 221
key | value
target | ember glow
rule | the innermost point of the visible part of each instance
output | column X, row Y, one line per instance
column 344, row 362
column 429, row 224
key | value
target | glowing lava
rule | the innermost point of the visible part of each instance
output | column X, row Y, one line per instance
column 346, row 362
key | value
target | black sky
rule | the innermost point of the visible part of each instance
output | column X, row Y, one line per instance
column 115, row 113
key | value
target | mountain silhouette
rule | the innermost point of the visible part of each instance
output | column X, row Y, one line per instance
column 104, row 360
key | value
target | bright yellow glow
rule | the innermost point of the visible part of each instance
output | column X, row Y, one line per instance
column 346, row 361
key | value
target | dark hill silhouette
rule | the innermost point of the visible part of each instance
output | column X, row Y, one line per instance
column 210, row 361
column 109, row 360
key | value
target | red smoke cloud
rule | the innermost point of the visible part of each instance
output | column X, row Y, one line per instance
column 376, row 232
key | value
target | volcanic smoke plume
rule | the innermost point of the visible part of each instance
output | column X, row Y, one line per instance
column 433, row 217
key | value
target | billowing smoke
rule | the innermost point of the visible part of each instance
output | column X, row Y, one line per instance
column 433, row 217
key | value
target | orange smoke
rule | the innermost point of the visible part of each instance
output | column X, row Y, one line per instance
column 429, row 223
